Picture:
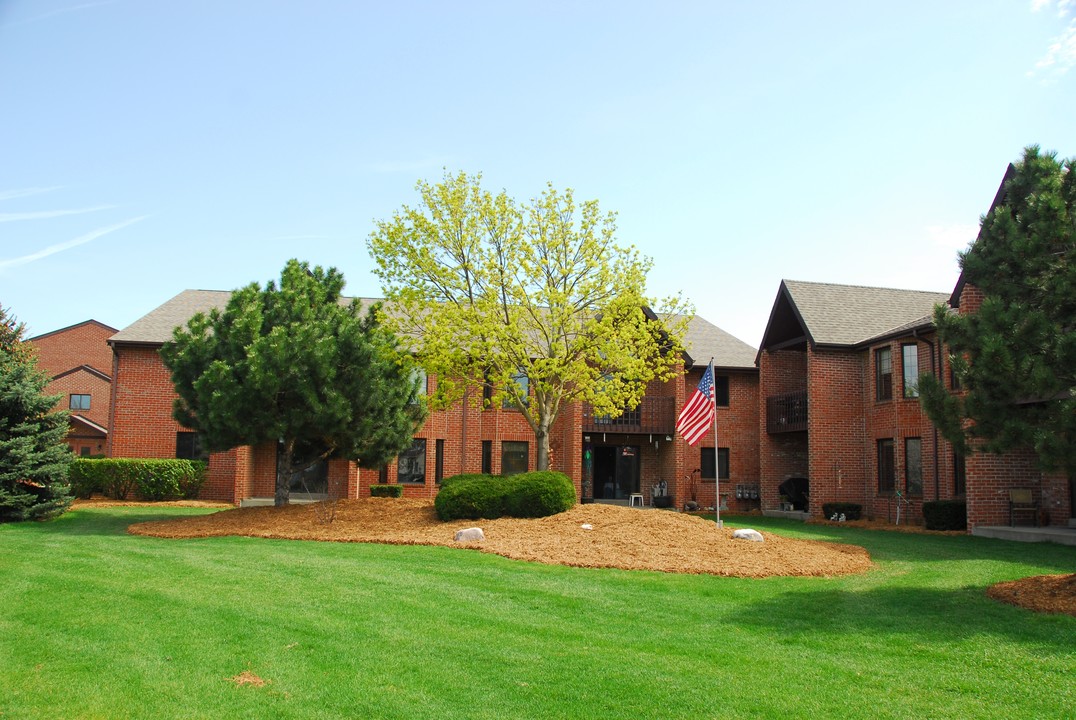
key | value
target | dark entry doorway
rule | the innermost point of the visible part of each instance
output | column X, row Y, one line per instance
column 616, row 471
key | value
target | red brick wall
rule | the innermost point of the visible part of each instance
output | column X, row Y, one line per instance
column 82, row 382
column 82, row 344
column 836, row 430
column 737, row 430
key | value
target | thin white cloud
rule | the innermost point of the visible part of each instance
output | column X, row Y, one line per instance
column 48, row 214
column 1060, row 55
column 952, row 237
column 60, row 247
column 26, row 192
column 59, row 11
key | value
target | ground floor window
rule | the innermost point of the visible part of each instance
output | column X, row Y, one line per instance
column 313, row 481
column 487, row 457
column 411, row 465
column 514, row 457
column 886, row 470
column 439, row 462
column 913, row 466
column 706, row 463
column 189, row 446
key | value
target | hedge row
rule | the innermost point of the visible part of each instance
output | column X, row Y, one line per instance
column 533, row 494
column 390, row 491
column 149, row 479
column 946, row 515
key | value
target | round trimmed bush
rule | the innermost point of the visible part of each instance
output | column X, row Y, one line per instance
column 538, row 494
column 534, row 494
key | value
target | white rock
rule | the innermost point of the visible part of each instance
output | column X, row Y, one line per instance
column 587, row 526
column 470, row 535
column 747, row 534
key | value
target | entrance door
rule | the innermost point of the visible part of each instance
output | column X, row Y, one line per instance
column 616, row 471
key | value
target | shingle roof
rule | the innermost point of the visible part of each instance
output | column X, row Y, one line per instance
column 157, row 326
column 852, row 314
column 702, row 341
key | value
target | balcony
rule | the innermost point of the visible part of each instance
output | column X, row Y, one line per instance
column 786, row 413
column 655, row 415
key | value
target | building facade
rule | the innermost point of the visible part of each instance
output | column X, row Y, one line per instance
column 608, row 459
column 78, row 362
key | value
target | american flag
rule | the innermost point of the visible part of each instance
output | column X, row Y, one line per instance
column 698, row 413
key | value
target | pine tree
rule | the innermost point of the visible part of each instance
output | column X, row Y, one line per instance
column 1016, row 357
column 294, row 365
column 33, row 455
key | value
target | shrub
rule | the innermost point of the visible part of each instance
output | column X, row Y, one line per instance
column 445, row 482
column 392, row 491
column 851, row 511
column 538, row 494
column 534, row 494
column 946, row 515
column 151, row 479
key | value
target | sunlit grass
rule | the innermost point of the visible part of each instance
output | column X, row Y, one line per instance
column 95, row 623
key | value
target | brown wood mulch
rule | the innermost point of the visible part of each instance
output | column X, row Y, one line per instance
column 619, row 537
column 625, row 538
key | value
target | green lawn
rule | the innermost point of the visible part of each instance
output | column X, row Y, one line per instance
column 98, row 624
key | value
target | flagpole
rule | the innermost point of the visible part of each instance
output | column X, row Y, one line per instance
column 717, row 465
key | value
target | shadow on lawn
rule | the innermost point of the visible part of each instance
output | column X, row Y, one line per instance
column 933, row 615
column 105, row 521
column 892, row 545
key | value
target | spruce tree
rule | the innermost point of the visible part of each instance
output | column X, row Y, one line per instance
column 33, row 455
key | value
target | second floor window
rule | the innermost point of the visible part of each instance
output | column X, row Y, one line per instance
column 80, row 402
column 523, row 385
column 721, row 390
column 909, row 360
column 883, row 374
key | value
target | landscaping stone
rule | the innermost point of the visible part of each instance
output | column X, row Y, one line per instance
column 470, row 535
column 747, row 534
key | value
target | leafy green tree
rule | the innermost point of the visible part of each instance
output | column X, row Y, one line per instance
column 534, row 301
column 1016, row 357
column 298, row 366
column 33, row 455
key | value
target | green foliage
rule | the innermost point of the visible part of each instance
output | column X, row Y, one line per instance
column 452, row 479
column 33, row 454
column 946, row 515
column 533, row 494
column 851, row 511
column 294, row 363
column 489, row 288
column 150, row 479
column 389, row 491
column 1016, row 356
column 539, row 493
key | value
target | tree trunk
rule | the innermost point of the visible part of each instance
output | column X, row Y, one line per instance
column 284, row 452
column 541, row 436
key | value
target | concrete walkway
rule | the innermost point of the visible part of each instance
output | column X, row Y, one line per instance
column 1054, row 534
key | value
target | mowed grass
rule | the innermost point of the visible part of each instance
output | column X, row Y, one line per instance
column 95, row 623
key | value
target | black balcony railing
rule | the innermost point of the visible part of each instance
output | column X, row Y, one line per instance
column 786, row 413
column 653, row 415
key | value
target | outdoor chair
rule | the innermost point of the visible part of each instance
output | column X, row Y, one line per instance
column 1022, row 500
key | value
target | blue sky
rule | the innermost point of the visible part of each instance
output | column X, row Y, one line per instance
column 149, row 147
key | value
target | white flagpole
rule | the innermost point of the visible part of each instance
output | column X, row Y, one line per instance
column 717, row 465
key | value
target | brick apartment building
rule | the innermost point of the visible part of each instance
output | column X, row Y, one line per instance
column 826, row 410
column 607, row 458
column 78, row 361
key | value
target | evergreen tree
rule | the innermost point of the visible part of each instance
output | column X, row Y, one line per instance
column 33, row 455
column 294, row 365
column 1016, row 357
